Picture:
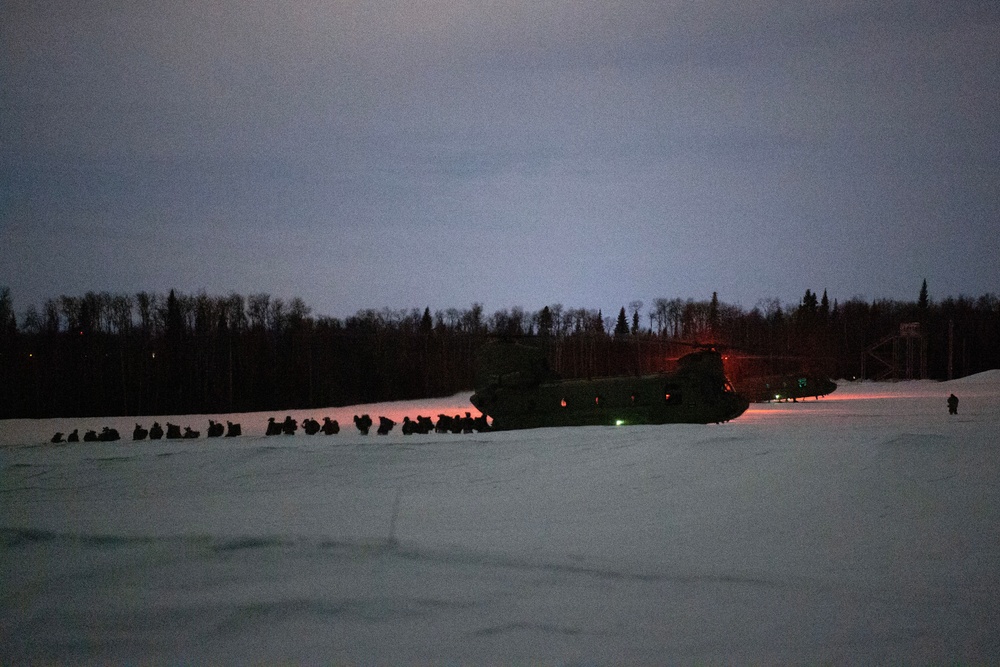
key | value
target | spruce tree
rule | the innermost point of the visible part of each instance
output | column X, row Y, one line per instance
column 713, row 314
column 621, row 329
column 545, row 322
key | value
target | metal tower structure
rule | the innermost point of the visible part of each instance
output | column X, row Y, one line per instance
column 900, row 356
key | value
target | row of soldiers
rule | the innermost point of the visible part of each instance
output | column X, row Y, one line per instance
column 424, row 425
column 364, row 423
column 155, row 432
column 106, row 435
column 309, row 425
column 215, row 430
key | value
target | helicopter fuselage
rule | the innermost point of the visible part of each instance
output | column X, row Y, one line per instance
column 697, row 393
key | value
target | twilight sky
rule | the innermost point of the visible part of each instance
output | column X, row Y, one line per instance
column 511, row 152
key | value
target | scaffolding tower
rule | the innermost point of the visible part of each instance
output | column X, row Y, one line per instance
column 900, row 356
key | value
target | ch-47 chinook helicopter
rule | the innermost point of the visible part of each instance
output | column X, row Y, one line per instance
column 516, row 388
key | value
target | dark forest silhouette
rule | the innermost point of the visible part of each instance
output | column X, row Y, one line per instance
column 145, row 354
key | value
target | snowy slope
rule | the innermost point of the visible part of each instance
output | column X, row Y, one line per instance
column 858, row 528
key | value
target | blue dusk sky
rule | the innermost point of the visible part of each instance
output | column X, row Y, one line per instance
column 509, row 152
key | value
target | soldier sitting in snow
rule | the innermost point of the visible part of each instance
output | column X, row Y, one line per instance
column 155, row 431
column 443, row 424
column 424, row 425
column 385, row 425
column 330, row 427
column 364, row 422
column 233, row 429
column 139, row 433
column 467, row 423
column 108, row 435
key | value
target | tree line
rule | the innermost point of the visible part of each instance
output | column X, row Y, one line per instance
column 103, row 354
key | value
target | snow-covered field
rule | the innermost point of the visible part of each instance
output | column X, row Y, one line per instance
column 862, row 528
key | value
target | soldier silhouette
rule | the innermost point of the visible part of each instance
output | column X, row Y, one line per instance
column 364, row 422
column 385, row 425
column 953, row 405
